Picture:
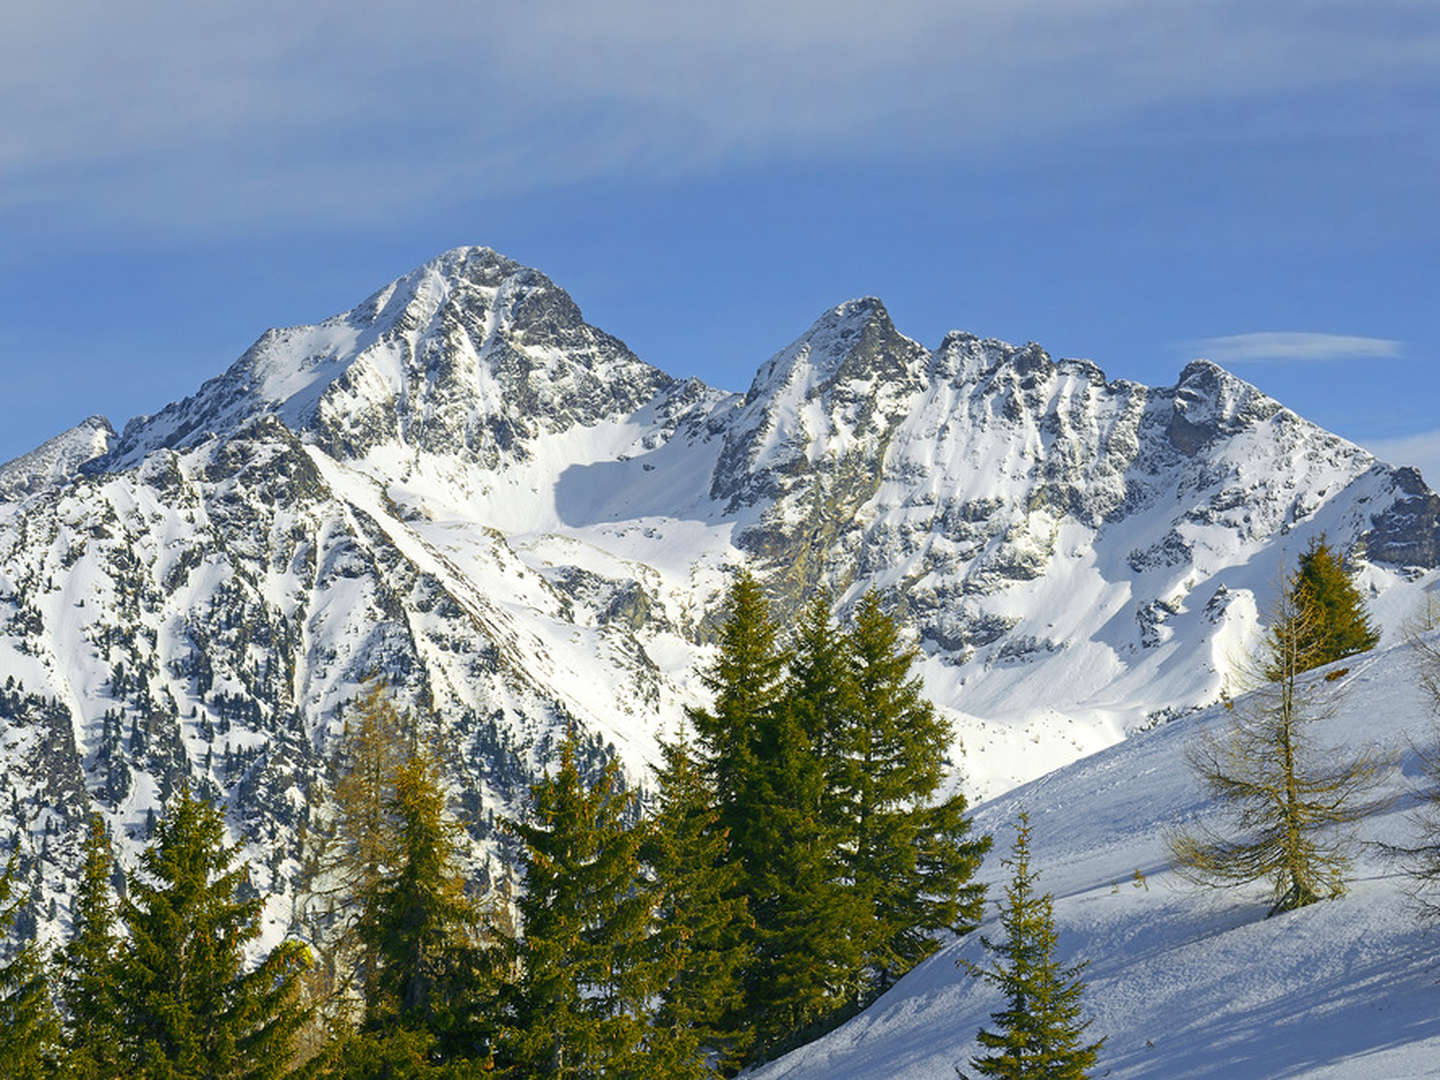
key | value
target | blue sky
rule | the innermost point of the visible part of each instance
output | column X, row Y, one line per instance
column 1134, row 181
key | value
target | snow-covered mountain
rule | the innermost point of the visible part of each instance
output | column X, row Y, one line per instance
column 57, row 459
column 463, row 487
column 1185, row 981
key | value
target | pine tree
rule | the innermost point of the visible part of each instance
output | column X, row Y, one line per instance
column 1039, row 1034
column 699, row 923
column 88, row 976
column 423, row 930
column 29, row 1028
column 188, row 1009
column 586, row 973
column 1285, row 798
column 1340, row 624
column 911, row 860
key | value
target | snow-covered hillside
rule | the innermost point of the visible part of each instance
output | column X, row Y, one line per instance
column 1183, row 981
column 462, row 486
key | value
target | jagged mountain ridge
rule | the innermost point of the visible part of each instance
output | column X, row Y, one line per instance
column 462, row 486
column 56, row 459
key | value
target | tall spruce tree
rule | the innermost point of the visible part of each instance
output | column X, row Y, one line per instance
column 758, row 748
column 812, row 918
column 188, row 1008
column 29, row 1028
column 1338, row 618
column 912, row 861
column 1039, row 1034
column 699, row 925
column 746, row 683
column 88, row 967
column 804, row 937
column 586, row 971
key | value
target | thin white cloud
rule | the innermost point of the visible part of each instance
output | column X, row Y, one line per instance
column 188, row 112
column 1421, row 450
column 1278, row 347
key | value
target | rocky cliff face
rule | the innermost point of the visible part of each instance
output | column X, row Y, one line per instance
column 462, row 487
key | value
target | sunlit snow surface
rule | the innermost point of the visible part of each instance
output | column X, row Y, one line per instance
column 1183, row 981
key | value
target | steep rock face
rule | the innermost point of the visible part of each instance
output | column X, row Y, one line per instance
column 463, row 488
column 470, row 354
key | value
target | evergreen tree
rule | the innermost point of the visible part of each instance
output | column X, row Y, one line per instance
column 1337, row 616
column 823, row 699
column 699, row 923
column 29, row 1028
column 734, row 736
column 1284, row 796
column 188, row 1009
column 911, row 860
column 88, row 976
column 1039, row 1034
column 423, row 930
column 759, row 749
column 585, row 973
column 746, row 682
column 806, row 951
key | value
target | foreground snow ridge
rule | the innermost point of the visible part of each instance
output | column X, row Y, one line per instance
column 1189, row 982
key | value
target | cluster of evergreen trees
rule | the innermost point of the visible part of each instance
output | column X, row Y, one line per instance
column 794, row 863
column 791, row 862
column 171, row 997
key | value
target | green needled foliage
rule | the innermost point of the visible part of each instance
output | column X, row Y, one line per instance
column 807, row 916
column 1339, row 623
column 29, row 1028
column 824, row 763
column 911, row 859
column 89, row 973
column 746, row 680
column 188, row 1008
column 586, row 972
column 1039, row 1034
column 700, row 925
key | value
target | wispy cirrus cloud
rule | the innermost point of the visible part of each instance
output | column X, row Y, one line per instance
column 1293, row 346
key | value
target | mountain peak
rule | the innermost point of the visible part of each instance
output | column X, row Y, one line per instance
column 1210, row 401
column 850, row 340
column 433, row 359
column 56, row 459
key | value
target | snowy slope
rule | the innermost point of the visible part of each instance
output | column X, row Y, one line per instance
column 1188, row 982
column 464, row 487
